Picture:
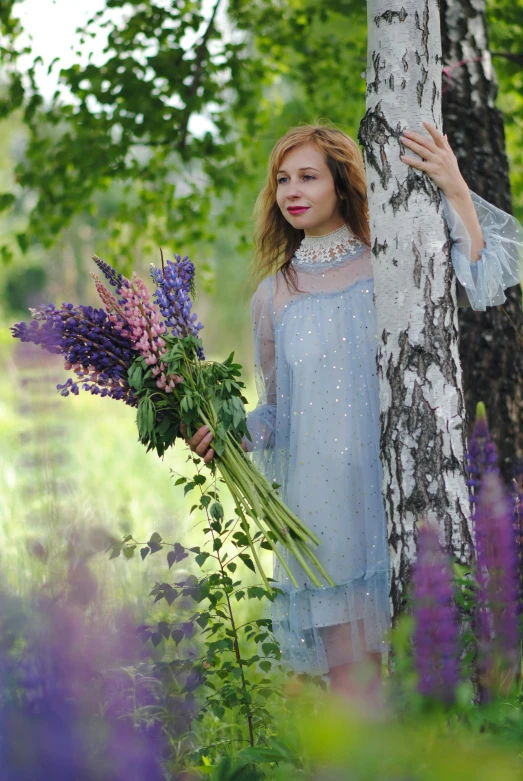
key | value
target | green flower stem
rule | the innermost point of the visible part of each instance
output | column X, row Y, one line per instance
column 297, row 553
column 280, row 508
column 238, row 502
column 247, row 486
column 229, row 482
column 317, row 563
column 277, row 552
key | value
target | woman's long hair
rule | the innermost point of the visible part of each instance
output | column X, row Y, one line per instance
column 276, row 240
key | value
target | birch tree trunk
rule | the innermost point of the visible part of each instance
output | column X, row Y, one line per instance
column 421, row 397
column 491, row 355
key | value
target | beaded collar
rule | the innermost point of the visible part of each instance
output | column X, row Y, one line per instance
column 328, row 248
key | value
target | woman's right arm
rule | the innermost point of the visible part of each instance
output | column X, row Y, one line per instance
column 261, row 421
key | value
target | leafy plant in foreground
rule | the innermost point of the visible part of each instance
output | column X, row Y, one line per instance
column 228, row 676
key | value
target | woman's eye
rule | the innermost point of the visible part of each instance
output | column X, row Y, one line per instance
column 283, row 179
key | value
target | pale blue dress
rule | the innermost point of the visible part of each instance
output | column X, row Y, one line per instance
column 316, row 432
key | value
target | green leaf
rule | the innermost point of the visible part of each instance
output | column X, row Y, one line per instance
column 156, row 638
column 155, row 543
column 203, row 620
column 6, row 200
column 201, row 558
column 247, row 561
column 216, row 511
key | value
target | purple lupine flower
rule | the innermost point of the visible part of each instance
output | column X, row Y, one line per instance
column 174, row 284
column 435, row 619
column 114, row 277
column 496, row 570
column 75, row 704
column 98, row 352
column 142, row 318
column 517, row 496
column 481, row 455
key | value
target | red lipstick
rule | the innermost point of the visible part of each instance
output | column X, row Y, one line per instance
column 297, row 209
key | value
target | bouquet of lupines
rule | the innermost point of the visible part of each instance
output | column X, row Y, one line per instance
column 146, row 352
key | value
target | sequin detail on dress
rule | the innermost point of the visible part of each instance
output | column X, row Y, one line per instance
column 332, row 247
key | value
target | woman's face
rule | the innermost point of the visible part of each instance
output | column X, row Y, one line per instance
column 305, row 192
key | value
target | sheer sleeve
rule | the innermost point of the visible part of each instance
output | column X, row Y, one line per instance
column 262, row 420
column 500, row 262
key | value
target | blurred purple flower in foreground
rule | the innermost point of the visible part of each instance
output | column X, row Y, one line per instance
column 517, row 497
column 496, row 570
column 435, row 619
column 70, row 695
column 481, row 455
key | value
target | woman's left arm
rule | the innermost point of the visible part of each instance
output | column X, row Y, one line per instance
column 440, row 163
column 487, row 244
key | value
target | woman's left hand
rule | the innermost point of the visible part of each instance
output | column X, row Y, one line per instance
column 439, row 161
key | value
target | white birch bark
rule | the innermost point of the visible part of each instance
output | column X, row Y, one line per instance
column 421, row 396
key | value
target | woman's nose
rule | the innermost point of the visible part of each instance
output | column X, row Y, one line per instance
column 294, row 190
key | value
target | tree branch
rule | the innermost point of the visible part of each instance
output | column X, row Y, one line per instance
column 513, row 57
column 200, row 56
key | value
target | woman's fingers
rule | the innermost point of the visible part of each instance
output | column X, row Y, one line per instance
column 426, row 151
column 436, row 134
column 425, row 141
column 202, row 446
column 199, row 442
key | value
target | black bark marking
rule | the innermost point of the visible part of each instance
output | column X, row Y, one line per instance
column 403, row 84
column 435, row 94
column 390, row 16
column 414, row 183
column 374, row 85
column 423, row 27
column 417, row 265
column 404, row 62
column 391, row 82
column 394, row 262
column 377, row 248
column 420, row 86
column 374, row 129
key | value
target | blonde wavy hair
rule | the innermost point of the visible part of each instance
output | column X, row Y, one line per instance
column 276, row 240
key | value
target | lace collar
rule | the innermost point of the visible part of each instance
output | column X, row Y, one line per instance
column 332, row 247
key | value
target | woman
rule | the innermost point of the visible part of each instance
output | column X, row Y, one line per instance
column 315, row 430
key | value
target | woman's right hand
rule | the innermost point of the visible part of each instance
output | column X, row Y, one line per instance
column 199, row 442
